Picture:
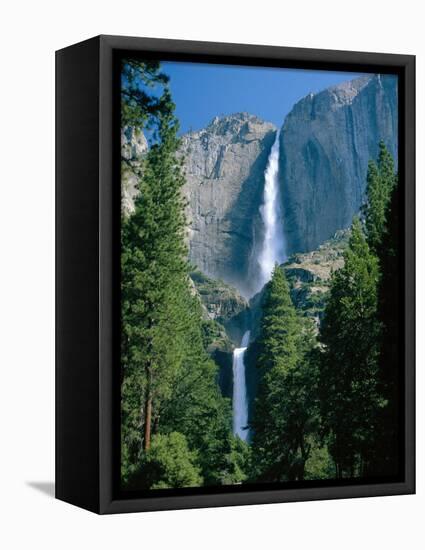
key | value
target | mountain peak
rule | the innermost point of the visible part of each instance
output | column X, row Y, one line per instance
column 237, row 123
column 241, row 116
column 351, row 87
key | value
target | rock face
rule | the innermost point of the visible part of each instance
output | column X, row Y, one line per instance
column 309, row 275
column 223, row 304
column 325, row 145
column 224, row 169
column 221, row 301
column 226, row 316
column 133, row 149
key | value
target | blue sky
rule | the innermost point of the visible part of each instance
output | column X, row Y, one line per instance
column 202, row 91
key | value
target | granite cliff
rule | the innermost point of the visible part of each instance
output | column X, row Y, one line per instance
column 224, row 169
column 134, row 147
column 325, row 144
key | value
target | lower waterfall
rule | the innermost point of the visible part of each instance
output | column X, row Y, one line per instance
column 240, row 399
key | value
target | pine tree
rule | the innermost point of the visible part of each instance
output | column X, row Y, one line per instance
column 381, row 180
column 195, row 407
column 384, row 240
column 153, row 265
column 169, row 384
column 382, row 230
column 390, row 359
column 348, row 367
column 284, row 408
column 140, row 106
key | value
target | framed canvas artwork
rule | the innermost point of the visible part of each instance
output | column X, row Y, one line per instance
column 235, row 274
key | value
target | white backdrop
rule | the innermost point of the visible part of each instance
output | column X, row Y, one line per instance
column 30, row 32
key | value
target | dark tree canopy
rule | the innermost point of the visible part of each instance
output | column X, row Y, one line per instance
column 348, row 373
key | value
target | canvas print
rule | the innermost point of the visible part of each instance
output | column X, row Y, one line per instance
column 260, row 278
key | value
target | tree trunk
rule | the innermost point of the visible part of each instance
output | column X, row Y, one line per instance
column 148, row 422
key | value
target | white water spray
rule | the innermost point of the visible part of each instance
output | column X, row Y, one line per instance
column 240, row 400
column 273, row 248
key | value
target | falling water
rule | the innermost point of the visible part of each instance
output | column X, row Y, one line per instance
column 273, row 248
column 272, row 252
column 240, row 401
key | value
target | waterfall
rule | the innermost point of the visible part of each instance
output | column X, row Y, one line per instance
column 273, row 246
column 272, row 251
column 240, row 400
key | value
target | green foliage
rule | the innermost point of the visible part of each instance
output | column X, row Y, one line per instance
column 381, row 180
column 214, row 336
column 196, row 407
column 153, row 272
column 140, row 105
column 168, row 464
column 285, row 408
column 211, row 331
column 237, row 462
column 348, row 366
column 321, row 411
column 319, row 464
column 170, row 396
column 387, row 449
column 360, row 335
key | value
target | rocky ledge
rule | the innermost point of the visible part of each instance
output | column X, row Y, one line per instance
column 309, row 275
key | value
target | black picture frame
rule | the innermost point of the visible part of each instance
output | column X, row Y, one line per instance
column 87, row 248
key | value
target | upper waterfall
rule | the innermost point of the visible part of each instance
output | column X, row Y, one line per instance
column 273, row 246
